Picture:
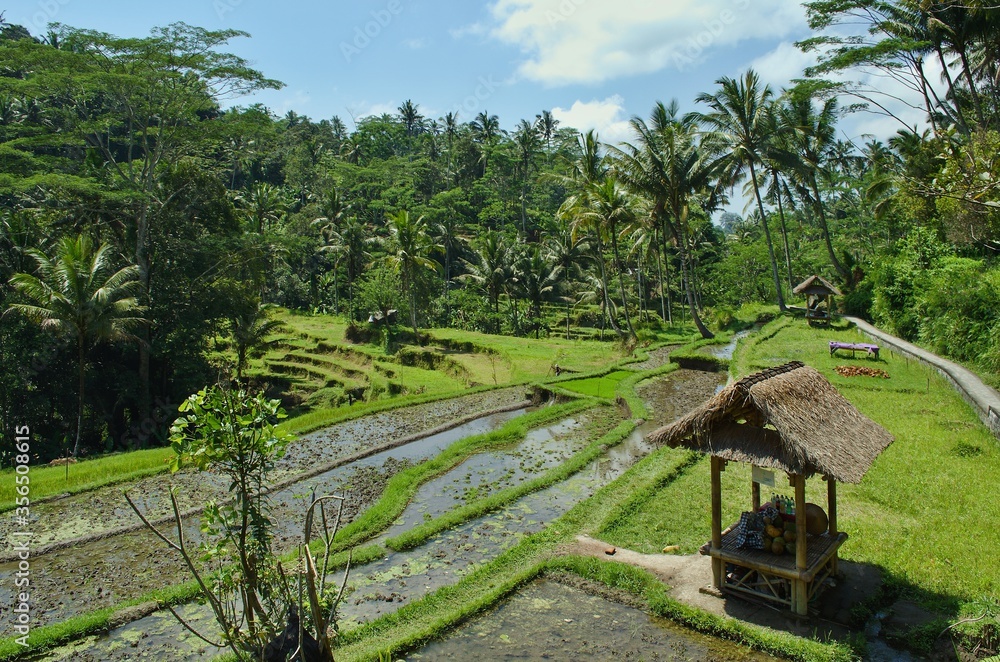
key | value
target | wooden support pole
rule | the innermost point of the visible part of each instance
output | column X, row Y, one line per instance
column 755, row 494
column 801, row 588
column 717, row 564
column 831, row 511
column 831, row 503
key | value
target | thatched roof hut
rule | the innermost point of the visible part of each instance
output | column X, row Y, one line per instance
column 816, row 286
column 788, row 418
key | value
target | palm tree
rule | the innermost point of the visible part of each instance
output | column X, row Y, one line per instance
column 411, row 118
column 739, row 117
column 486, row 131
column 546, row 126
column 811, row 134
column 589, row 172
column 610, row 208
column 249, row 329
column 527, row 141
column 410, row 246
column 491, row 268
column 571, row 253
column 667, row 166
column 263, row 205
column 537, row 278
column 74, row 294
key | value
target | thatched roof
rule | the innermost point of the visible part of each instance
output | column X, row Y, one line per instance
column 788, row 418
column 816, row 285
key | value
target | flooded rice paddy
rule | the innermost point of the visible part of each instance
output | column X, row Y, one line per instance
column 398, row 578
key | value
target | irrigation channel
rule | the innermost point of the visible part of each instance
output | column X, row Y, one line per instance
column 397, row 578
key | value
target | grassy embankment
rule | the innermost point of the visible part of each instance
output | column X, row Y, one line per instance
column 920, row 514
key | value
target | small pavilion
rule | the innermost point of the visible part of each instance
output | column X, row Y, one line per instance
column 819, row 298
column 792, row 420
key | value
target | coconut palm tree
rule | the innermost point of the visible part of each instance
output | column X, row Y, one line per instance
column 409, row 115
column 571, row 253
column 491, row 268
column 739, row 117
column 410, row 247
column 667, row 165
column 527, row 141
column 76, row 295
column 249, row 329
column 811, row 134
column 609, row 210
column 537, row 278
column 546, row 126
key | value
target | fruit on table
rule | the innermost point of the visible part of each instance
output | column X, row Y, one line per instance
column 778, row 546
column 789, row 536
column 816, row 520
column 773, row 531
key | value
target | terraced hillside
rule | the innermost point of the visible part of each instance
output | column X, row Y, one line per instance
column 311, row 364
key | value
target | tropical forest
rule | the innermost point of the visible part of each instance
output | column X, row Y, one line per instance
column 408, row 386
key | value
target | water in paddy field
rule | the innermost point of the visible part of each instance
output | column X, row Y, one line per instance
column 726, row 351
column 75, row 580
column 400, row 578
column 548, row 620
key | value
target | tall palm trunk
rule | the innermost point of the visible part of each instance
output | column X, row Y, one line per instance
column 621, row 281
column 767, row 236
column 604, row 287
column 681, row 236
column 821, row 214
column 784, row 236
column 79, row 411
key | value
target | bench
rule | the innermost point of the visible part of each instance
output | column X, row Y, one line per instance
column 871, row 350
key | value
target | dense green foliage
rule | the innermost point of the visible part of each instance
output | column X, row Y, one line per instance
column 459, row 224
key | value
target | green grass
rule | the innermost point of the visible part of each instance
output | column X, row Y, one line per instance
column 598, row 387
column 924, row 511
column 86, row 475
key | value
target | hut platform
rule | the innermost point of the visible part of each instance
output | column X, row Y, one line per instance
column 759, row 573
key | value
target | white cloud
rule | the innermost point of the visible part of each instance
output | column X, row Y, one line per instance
column 589, row 41
column 298, row 100
column 416, row 44
column 781, row 65
column 607, row 117
column 375, row 109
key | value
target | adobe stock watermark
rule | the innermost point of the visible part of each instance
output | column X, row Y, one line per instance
column 483, row 91
column 562, row 13
column 365, row 34
column 689, row 54
column 38, row 22
column 223, row 7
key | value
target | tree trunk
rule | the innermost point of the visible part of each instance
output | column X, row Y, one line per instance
column 79, row 411
column 784, row 237
column 826, row 231
column 604, row 287
column 767, row 236
column 621, row 281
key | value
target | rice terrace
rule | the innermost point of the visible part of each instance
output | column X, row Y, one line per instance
column 711, row 381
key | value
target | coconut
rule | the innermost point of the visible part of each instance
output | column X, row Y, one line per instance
column 816, row 520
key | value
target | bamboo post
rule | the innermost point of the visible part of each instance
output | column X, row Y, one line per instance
column 717, row 563
column 801, row 601
column 755, row 494
column 831, row 510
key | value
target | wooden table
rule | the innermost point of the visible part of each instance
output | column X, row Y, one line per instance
column 776, row 578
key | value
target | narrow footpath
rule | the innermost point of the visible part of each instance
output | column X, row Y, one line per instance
column 983, row 399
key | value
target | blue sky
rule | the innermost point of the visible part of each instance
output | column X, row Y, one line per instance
column 595, row 63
